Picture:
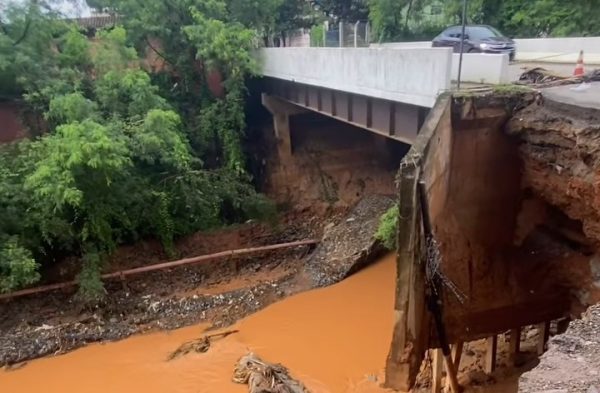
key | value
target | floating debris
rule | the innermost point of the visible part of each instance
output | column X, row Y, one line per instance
column 263, row 377
column 199, row 345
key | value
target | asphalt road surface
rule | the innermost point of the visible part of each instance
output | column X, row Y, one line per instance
column 587, row 97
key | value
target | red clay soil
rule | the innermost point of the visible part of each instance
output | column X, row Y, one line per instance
column 559, row 149
column 293, row 226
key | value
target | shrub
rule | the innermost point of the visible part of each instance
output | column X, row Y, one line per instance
column 17, row 266
column 388, row 226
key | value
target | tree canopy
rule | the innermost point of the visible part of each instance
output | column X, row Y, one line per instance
column 120, row 150
column 137, row 130
column 415, row 19
column 344, row 10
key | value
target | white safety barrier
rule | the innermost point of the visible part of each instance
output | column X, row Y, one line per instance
column 536, row 50
column 558, row 50
column 477, row 67
column 403, row 45
column 412, row 76
column 481, row 68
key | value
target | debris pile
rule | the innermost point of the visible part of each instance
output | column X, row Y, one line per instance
column 572, row 362
column 348, row 246
column 263, row 377
column 541, row 77
column 199, row 345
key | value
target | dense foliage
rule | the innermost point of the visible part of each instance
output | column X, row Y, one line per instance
column 533, row 18
column 137, row 130
column 120, row 153
column 416, row 19
column 344, row 10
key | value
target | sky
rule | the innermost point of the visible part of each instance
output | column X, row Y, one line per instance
column 69, row 8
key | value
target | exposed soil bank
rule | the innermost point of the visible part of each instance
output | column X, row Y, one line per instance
column 329, row 161
column 559, row 147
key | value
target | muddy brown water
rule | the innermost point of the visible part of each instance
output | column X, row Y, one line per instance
column 334, row 339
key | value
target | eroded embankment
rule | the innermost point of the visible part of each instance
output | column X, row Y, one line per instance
column 560, row 153
column 559, row 146
column 218, row 293
column 511, row 187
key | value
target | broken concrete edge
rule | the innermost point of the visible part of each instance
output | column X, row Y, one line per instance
column 410, row 330
column 411, row 333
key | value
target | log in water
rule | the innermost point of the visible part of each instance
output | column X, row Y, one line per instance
column 334, row 339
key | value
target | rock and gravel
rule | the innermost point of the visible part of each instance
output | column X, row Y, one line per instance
column 572, row 362
column 129, row 315
column 349, row 245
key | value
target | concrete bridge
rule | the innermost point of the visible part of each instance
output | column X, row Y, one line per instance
column 388, row 91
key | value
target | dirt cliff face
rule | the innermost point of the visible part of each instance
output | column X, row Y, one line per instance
column 331, row 164
column 560, row 153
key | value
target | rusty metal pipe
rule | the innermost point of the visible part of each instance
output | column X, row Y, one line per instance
column 160, row 266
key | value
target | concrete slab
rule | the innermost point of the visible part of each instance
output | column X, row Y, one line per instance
column 589, row 98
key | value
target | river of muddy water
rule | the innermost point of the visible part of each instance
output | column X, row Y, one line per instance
column 334, row 339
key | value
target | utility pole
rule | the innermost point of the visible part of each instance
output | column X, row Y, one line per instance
column 462, row 42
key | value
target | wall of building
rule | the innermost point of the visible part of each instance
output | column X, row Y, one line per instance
column 11, row 127
column 299, row 38
column 412, row 76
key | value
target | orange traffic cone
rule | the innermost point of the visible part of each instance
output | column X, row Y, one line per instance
column 579, row 67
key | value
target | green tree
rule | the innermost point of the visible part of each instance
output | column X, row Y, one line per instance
column 387, row 18
column 292, row 15
column 344, row 10
column 122, row 154
column 534, row 18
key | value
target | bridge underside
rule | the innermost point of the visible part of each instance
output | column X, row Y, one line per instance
column 391, row 119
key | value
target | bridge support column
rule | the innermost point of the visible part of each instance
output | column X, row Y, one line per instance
column 281, row 124
column 281, row 111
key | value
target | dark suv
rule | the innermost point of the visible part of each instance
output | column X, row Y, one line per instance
column 478, row 39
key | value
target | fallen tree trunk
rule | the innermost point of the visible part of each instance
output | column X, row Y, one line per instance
column 167, row 265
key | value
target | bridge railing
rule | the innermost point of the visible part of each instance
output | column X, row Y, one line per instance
column 412, row 76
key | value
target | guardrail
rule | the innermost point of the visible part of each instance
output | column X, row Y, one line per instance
column 477, row 67
column 535, row 50
column 413, row 76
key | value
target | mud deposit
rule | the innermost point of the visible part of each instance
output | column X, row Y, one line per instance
column 333, row 339
column 220, row 292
